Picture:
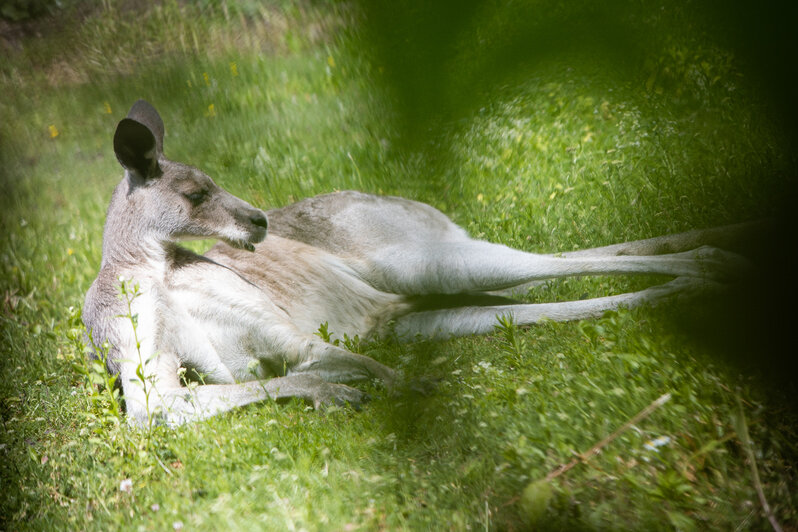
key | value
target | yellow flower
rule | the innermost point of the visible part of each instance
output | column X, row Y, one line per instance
column 207, row 78
column 234, row 69
column 211, row 110
column 107, row 107
column 331, row 61
column 53, row 131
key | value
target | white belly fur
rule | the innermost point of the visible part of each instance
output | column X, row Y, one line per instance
column 216, row 322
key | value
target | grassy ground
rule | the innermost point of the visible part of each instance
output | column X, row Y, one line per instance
column 284, row 101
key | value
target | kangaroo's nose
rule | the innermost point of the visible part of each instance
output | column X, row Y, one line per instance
column 259, row 220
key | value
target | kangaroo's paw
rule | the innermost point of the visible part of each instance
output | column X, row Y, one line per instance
column 339, row 395
column 717, row 264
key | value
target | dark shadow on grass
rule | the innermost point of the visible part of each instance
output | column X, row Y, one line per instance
column 443, row 61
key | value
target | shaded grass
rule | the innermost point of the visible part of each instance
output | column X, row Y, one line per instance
column 561, row 160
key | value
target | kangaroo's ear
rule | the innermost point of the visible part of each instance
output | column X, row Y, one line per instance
column 138, row 141
column 136, row 148
column 144, row 113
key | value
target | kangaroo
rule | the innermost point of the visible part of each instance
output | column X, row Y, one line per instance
column 244, row 315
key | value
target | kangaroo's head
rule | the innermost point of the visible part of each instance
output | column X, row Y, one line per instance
column 172, row 201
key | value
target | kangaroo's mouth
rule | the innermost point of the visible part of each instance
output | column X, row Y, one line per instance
column 247, row 244
column 254, row 228
column 255, row 236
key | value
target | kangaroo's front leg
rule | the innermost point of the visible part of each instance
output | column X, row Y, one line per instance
column 335, row 364
column 289, row 351
column 154, row 392
column 178, row 405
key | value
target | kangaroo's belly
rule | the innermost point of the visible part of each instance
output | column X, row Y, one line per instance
column 234, row 321
column 314, row 287
column 217, row 326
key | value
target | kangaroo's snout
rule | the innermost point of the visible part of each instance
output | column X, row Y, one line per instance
column 259, row 220
column 257, row 225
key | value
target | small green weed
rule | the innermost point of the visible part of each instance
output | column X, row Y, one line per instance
column 352, row 344
column 100, row 386
column 513, row 341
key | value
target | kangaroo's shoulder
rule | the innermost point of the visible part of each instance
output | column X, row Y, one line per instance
column 314, row 211
column 346, row 221
column 328, row 206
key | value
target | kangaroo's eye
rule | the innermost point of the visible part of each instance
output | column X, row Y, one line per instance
column 196, row 197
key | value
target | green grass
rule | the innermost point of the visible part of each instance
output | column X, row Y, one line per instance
column 569, row 155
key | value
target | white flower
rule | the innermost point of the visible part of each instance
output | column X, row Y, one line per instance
column 653, row 445
column 126, row 486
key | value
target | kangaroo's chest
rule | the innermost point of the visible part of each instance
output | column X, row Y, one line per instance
column 215, row 323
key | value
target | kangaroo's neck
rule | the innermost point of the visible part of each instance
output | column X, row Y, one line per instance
column 132, row 238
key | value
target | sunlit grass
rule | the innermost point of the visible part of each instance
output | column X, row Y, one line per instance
column 281, row 102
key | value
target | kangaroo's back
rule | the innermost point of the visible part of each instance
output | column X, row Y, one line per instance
column 355, row 224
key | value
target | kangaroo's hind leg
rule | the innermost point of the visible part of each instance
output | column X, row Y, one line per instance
column 476, row 266
column 445, row 323
column 405, row 247
column 732, row 237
